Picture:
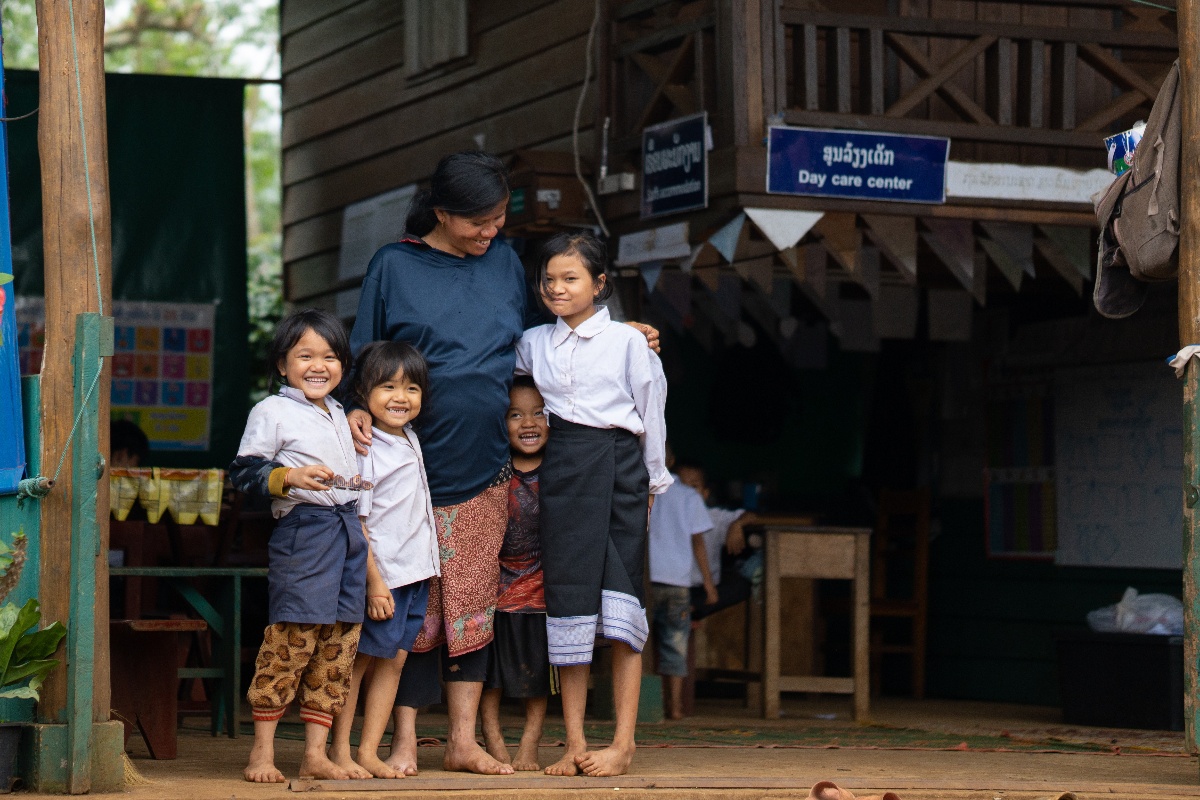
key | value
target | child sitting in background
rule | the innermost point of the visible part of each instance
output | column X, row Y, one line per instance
column 519, row 660
column 724, row 542
column 678, row 524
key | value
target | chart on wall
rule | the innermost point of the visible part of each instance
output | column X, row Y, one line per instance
column 1119, row 453
column 162, row 366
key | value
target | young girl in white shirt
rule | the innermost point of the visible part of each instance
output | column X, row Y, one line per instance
column 397, row 516
column 297, row 450
column 605, row 394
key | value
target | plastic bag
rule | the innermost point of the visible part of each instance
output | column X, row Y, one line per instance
column 1140, row 613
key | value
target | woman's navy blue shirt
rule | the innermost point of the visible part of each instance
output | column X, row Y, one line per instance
column 465, row 316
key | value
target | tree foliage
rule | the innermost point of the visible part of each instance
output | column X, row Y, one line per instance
column 212, row 38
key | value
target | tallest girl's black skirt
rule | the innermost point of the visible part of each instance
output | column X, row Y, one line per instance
column 594, row 500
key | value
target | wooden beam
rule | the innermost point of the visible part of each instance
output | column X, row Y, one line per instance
column 1189, row 333
column 940, row 76
column 956, row 97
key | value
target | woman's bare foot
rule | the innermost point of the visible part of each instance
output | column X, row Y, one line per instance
column 374, row 767
column 527, row 757
column 318, row 765
column 612, row 760
column 470, row 757
column 496, row 748
column 567, row 764
column 261, row 768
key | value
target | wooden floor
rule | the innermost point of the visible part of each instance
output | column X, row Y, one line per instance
column 1151, row 765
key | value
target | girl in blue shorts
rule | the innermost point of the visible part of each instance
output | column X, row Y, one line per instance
column 398, row 518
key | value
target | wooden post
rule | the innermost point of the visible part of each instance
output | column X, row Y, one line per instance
column 71, row 52
column 1189, row 333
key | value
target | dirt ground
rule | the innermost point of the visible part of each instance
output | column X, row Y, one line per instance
column 209, row 768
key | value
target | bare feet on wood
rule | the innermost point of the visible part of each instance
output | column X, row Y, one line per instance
column 261, row 768
column 527, row 757
column 470, row 757
column 376, row 768
column 610, row 761
column 403, row 758
column 343, row 759
column 315, row 765
column 567, row 764
column 496, row 748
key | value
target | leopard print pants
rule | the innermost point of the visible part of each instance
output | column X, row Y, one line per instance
column 314, row 661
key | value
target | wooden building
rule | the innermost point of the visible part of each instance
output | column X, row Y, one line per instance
column 893, row 344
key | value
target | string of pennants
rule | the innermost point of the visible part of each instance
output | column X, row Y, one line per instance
column 766, row 273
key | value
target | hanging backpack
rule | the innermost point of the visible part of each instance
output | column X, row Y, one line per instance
column 1139, row 212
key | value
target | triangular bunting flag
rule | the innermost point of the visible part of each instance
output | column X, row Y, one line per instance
column 651, row 270
column 782, row 226
column 953, row 242
column 1077, row 244
column 757, row 270
column 896, row 236
column 1004, row 261
column 708, row 276
column 1017, row 239
column 687, row 264
column 726, row 239
column 842, row 239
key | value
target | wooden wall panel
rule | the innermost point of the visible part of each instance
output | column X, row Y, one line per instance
column 513, row 87
column 338, row 31
column 297, row 14
column 494, row 49
column 375, row 54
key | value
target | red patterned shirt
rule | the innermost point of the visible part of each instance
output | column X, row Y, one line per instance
column 521, row 554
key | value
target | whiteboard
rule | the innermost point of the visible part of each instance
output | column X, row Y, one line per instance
column 370, row 224
column 1119, row 466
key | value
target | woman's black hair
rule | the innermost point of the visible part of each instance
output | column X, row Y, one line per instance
column 464, row 184
column 379, row 361
column 591, row 252
column 292, row 327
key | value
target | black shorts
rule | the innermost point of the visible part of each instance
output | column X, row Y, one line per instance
column 518, row 659
column 421, row 680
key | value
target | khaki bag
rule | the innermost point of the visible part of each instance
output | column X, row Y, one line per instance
column 1139, row 212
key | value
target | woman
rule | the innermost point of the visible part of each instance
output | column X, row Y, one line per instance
column 461, row 298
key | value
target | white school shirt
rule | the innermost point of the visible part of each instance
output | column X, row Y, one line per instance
column 397, row 512
column 678, row 514
column 292, row 431
column 602, row 374
column 714, row 542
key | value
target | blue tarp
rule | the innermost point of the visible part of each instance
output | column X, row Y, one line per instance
column 12, row 429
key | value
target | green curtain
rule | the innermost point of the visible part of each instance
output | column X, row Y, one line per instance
column 177, row 184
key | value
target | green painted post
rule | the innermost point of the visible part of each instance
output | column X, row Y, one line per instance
column 93, row 341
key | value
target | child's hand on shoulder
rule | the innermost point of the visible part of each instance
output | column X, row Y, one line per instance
column 309, row 478
column 380, row 606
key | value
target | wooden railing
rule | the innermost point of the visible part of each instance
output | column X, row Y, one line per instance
column 1055, row 86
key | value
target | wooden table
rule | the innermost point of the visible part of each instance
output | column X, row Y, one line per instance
column 793, row 550
column 224, row 618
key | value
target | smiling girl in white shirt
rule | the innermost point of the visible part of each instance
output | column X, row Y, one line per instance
column 605, row 394
column 397, row 516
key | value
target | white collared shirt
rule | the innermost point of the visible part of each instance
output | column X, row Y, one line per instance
column 397, row 513
column 677, row 516
column 292, row 431
column 602, row 374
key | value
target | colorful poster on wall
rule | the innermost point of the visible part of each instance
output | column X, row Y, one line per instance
column 162, row 366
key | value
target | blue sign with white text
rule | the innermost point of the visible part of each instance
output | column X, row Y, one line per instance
column 863, row 166
column 675, row 166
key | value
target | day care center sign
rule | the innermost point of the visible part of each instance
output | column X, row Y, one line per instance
column 862, row 166
column 162, row 368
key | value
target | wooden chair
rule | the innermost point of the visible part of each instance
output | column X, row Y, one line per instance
column 900, row 583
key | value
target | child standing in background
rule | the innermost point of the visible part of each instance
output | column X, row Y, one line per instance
column 605, row 393
column 519, row 662
column 398, row 519
column 297, row 442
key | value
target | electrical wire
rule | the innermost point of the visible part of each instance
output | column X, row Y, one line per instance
column 1155, row 5
column 587, row 79
column 23, row 116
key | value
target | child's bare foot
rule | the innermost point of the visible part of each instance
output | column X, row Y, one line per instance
column 261, row 768
column 343, row 759
column 496, row 748
column 374, row 767
column 568, row 764
column 470, row 757
column 527, row 757
column 318, row 765
column 612, row 760
column 403, row 758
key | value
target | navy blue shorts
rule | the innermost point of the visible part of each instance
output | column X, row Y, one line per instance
column 387, row 637
column 317, row 566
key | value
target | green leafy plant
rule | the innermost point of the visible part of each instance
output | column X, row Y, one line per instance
column 25, row 651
